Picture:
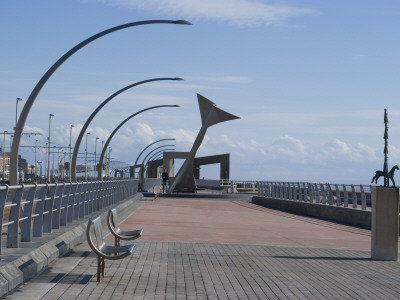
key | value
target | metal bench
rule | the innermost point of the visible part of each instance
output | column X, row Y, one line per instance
column 113, row 225
column 103, row 250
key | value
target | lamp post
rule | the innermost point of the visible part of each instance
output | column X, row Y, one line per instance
column 52, row 167
column 32, row 97
column 16, row 112
column 87, row 134
column 134, row 166
column 49, row 149
column 100, row 170
column 94, row 113
column 70, row 151
column 95, row 157
column 35, row 159
column 4, row 157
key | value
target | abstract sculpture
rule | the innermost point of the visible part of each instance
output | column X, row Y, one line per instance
column 386, row 175
column 210, row 115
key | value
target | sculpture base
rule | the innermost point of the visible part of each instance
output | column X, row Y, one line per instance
column 385, row 224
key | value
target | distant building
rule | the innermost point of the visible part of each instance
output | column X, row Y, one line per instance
column 23, row 167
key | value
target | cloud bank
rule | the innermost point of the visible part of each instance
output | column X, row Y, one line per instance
column 240, row 12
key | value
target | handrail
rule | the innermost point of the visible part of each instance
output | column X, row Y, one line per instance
column 345, row 195
column 28, row 211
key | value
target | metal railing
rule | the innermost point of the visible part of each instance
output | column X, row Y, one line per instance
column 356, row 196
column 31, row 210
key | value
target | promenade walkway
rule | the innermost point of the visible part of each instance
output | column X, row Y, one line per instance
column 224, row 249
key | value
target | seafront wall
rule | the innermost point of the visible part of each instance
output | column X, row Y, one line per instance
column 345, row 215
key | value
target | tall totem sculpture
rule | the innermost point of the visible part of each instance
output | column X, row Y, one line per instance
column 385, row 173
column 210, row 115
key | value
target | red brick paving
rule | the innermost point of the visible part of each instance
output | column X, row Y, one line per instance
column 239, row 222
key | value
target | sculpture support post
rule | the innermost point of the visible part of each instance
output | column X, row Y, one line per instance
column 385, row 224
column 210, row 115
column 32, row 97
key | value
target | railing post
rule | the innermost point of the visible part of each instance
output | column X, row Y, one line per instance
column 38, row 218
column 48, row 208
column 64, row 204
column 12, row 233
column 311, row 192
column 82, row 200
column 338, row 196
column 363, row 198
column 354, row 196
column 57, row 206
column 3, row 198
column 26, row 223
column 345, row 196
column 77, row 200
column 323, row 191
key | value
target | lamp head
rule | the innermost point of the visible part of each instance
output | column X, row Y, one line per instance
column 182, row 22
column 178, row 78
column 51, row 115
column 19, row 99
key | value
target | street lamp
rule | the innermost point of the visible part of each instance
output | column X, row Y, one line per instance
column 70, row 151
column 36, row 159
column 52, row 168
column 100, row 168
column 16, row 112
column 95, row 157
column 94, row 113
column 4, row 157
column 87, row 133
column 49, row 145
column 134, row 166
column 35, row 92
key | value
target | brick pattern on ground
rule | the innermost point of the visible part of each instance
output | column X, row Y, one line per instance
column 180, row 270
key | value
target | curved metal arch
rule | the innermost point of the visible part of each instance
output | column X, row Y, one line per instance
column 134, row 165
column 155, row 157
column 87, row 123
column 32, row 97
column 143, row 165
column 100, row 166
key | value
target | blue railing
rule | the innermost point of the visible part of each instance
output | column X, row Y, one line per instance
column 356, row 196
column 32, row 210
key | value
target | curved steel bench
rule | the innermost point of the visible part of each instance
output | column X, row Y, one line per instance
column 112, row 222
column 103, row 250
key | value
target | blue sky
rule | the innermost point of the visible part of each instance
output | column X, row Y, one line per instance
column 309, row 79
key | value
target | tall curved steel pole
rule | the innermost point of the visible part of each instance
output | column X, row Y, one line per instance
column 154, row 157
column 100, row 165
column 84, row 128
column 134, row 166
column 141, row 169
column 32, row 97
column 161, row 152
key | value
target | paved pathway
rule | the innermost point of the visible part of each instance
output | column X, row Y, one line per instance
column 202, row 249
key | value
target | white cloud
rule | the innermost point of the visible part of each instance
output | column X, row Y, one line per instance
column 287, row 147
column 242, row 12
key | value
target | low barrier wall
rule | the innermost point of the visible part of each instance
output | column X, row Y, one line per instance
column 345, row 215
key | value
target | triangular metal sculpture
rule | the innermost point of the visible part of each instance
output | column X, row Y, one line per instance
column 210, row 115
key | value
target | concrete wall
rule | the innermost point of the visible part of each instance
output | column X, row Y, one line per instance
column 344, row 215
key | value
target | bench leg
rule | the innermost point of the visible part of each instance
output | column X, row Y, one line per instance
column 117, row 242
column 100, row 268
column 103, row 265
column 99, row 259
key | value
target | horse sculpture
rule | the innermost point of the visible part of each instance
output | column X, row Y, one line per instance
column 389, row 175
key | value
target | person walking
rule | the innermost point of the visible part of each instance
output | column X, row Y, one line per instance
column 165, row 178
